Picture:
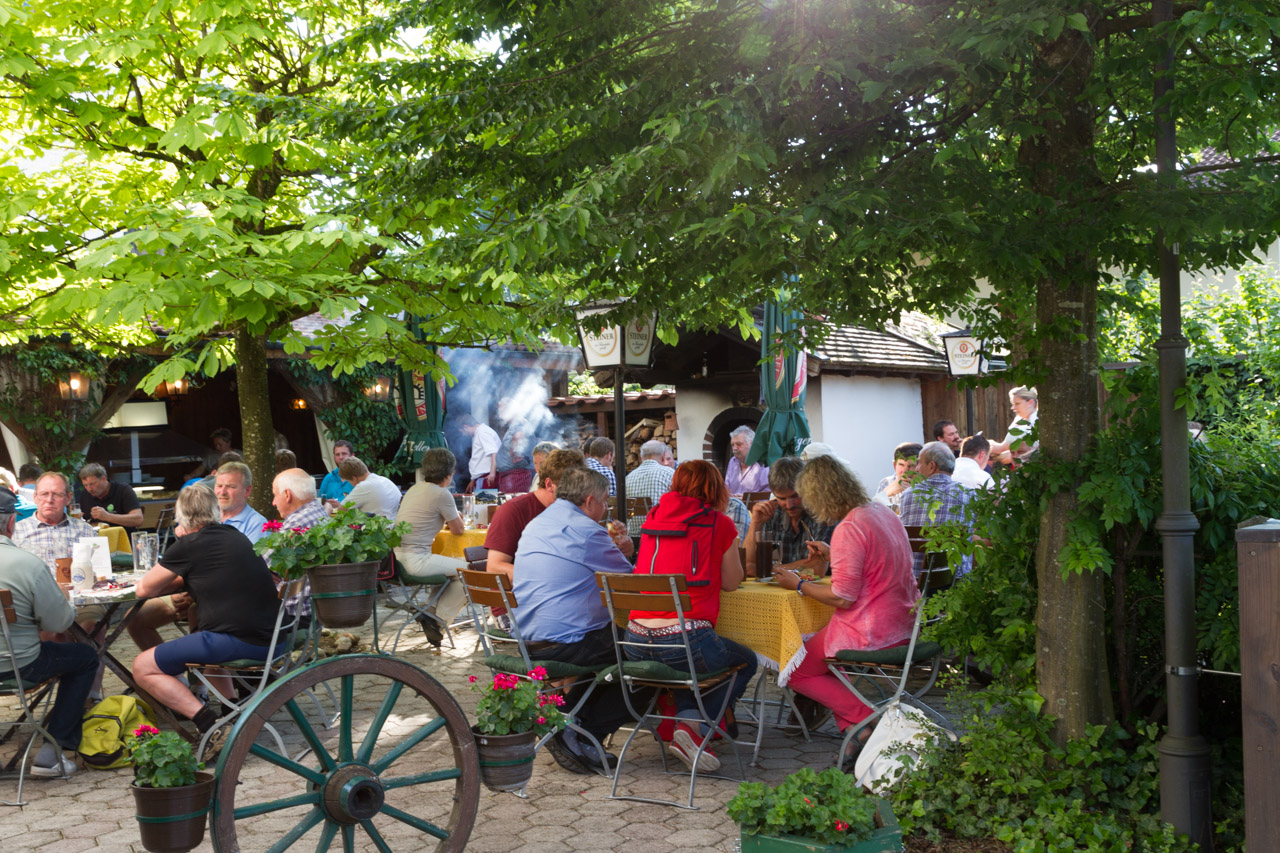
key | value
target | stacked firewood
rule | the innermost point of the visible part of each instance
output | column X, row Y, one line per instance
column 646, row 430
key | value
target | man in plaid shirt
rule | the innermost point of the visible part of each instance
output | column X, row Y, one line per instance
column 785, row 521
column 599, row 453
column 651, row 479
column 49, row 533
column 293, row 494
column 937, row 499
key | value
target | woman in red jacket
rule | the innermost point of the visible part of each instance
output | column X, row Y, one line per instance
column 688, row 533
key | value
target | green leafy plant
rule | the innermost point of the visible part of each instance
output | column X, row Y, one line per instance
column 161, row 759
column 1008, row 780
column 510, row 704
column 349, row 536
column 828, row 807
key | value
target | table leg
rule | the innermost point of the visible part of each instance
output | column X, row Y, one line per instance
column 111, row 662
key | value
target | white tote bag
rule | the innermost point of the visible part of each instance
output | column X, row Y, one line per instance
column 896, row 742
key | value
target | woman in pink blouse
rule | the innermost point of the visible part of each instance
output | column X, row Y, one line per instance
column 872, row 585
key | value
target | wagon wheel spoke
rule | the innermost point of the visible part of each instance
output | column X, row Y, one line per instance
column 396, row 718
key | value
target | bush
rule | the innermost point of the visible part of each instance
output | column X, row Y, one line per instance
column 1007, row 780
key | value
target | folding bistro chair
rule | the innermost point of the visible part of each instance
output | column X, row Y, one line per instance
column 249, row 678
column 878, row 677
column 622, row 594
column 752, row 498
column 489, row 633
column 490, row 589
column 414, row 597
column 33, row 701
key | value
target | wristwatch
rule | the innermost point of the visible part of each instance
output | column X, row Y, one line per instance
column 800, row 587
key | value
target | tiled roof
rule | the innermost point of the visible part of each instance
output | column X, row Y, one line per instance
column 854, row 347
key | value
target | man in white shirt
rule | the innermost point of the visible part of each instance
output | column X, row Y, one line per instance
column 971, row 467
column 485, row 445
column 371, row 493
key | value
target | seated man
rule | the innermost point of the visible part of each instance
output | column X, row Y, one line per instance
column 561, row 616
column 510, row 520
column 236, row 596
column 232, row 485
column 892, row 487
column 107, row 501
column 805, row 541
column 371, row 493
column 293, row 494
column 971, row 466
column 936, row 499
column 41, row 607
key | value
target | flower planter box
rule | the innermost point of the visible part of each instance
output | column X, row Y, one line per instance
column 887, row 838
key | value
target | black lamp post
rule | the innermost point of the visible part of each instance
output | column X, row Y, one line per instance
column 964, row 358
column 618, row 347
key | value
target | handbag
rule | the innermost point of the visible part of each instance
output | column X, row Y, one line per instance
column 895, row 744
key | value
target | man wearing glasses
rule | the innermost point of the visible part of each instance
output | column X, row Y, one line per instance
column 49, row 533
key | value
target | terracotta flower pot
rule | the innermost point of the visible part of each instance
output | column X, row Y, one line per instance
column 172, row 820
column 506, row 761
column 342, row 594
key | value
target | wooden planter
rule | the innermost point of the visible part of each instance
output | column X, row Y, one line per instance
column 172, row 820
column 343, row 594
column 506, row 761
column 887, row 838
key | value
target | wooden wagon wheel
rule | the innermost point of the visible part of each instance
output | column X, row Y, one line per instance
column 399, row 767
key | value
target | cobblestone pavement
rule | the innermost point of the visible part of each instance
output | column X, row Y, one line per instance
column 94, row 809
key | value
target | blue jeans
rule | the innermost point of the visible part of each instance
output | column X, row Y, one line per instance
column 74, row 665
column 710, row 652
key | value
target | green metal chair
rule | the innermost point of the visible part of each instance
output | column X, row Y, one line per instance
column 33, row 702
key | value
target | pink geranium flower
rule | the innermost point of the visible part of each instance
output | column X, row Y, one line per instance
column 145, row 731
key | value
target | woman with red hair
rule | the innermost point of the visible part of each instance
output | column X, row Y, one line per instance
column 688, row 534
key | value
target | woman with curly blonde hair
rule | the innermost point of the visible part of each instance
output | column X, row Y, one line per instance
column 872, row 586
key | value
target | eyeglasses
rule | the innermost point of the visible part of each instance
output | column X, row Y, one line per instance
column 50, row 496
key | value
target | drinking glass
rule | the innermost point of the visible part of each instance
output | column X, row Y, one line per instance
column 468, row 511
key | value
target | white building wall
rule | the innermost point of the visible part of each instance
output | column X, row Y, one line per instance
column 695, row 409
column 865, row 417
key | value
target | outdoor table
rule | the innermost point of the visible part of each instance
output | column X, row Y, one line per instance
column 774, row 623
column 117, row 538
column 449, row 545
column 112, row 599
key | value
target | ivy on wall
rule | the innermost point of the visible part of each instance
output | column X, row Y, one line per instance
column 374, row 428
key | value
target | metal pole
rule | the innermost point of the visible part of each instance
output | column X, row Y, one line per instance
column 968, row 410
column 620, row 447
column 1184, row 754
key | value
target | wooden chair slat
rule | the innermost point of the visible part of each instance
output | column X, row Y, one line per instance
column 6, row 599
column 645, row 601
column 640, row 583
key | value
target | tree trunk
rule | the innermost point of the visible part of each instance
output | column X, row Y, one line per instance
column 1071, row 629
column 257, row 431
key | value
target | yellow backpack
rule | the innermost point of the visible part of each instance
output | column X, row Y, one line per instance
column 105, row 727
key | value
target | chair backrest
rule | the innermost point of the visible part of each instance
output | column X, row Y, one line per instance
column 6, row 601
column 489, row 589
column 750, row 498
column 477, row 557
column 8, row 660
column 643, row 592
column 153, row 512
column 639, row 506
column 934, row 561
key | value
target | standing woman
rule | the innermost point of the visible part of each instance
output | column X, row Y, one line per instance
column 429, row 508
column 872, row 586
column 688, row 534
column 1026, row 409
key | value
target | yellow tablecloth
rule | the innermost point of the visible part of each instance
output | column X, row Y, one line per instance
column 771, row 621
column 118, row 538
column 449, row 545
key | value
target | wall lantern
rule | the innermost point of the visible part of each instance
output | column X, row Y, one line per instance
column 298, row 404
column 380, row 390
column 965, row 358
column 74, row 387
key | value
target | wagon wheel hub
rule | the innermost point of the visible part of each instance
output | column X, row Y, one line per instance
column 353, row 793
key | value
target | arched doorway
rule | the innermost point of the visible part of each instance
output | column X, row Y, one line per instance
column 715, row 443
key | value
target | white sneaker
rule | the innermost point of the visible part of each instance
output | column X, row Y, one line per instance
column 65, row 767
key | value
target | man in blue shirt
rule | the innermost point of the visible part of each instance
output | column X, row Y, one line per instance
column 333, row 487
column 231, row 486
column 561, row 615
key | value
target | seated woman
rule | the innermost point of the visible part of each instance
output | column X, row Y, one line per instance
column 689, row 522
column 428, row 507
column 235, row 592
column 872, row 586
